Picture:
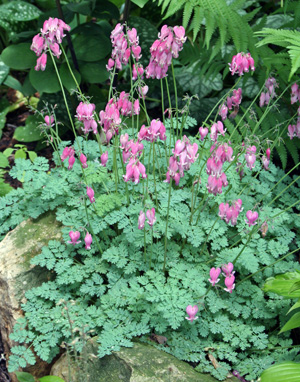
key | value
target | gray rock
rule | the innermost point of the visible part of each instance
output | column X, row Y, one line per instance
column 17, row 275
column 141, row 363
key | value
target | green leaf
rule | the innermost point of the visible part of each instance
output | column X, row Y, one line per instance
column 20, row 154
column 140, row 3
column 67, row 78
column 19, row 56
column 51, row 378
column 32, row 155
column 94, row 72
column 13, row 83
column 295, row 306
column 106, row 10
column 282, row 284
column 293, row 322
column 19, row 11
column 4, row 70
column 45, row 82
column 295, row 286
column 283, row 372
column 8, row 152
column 84, row 7
column 24, row 377
column 92, row 47
column 3, row 161
column 30, row 132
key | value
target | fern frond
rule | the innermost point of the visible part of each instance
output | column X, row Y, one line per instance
column 174, row 6
column 187, row 13
column 282, row 152
column 293, row 150
column 197, row 20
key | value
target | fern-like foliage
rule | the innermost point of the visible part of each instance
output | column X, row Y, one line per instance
column 214, row 14
column 285, row 38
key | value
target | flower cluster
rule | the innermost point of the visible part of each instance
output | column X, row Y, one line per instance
column 231, row 102
column 241, row 63
column 251, row 218
column 168, row 46
column 123, row 44
column 295, row 94
column 151, row 218
column 250, row 156
column 270, row 84
column 230, row 213
column 68, row 152
column 294, row 130
column 214, row 167
column 74, row 236
column 185, row 154
column 216, row 130
column 85, row 114
column 132, row 151
column 125, row 106
column 50, row 37
column 110, row 118
column 137, row 70
column 229, row 277
column 152, row 132
column 228, row 273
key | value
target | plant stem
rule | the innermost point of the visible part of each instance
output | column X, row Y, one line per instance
column 166, row 231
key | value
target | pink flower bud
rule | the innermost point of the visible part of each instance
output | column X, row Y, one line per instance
column 71, row 162
column 203, row 131
column 88, row 240
column 49, row 120
column 90, row 193
column 82, row 159
column 151, row 217
column 104, row 159
column 141, row 220
column 268, row 153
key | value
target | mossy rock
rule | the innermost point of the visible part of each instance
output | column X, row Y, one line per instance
column 141, row 363
column 17, row 275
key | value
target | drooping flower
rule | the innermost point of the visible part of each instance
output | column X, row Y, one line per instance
column 141, row 220
column 229, row 282
column 203, row 131
column 85, row 114
column 51, row 36
column 241, row 63
column 88, row 240
column 49, row 119
column 134, row 169
column 168, row 46
column 83, row 160
column 90, row 193
column 250, row 157
column 251, row 218
column 41, row 62
column 151, row 217
column 214, row 274
column 74, row 236
column 228, row 269
column 192, row 311
column 104, row 158
column 71, row 162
